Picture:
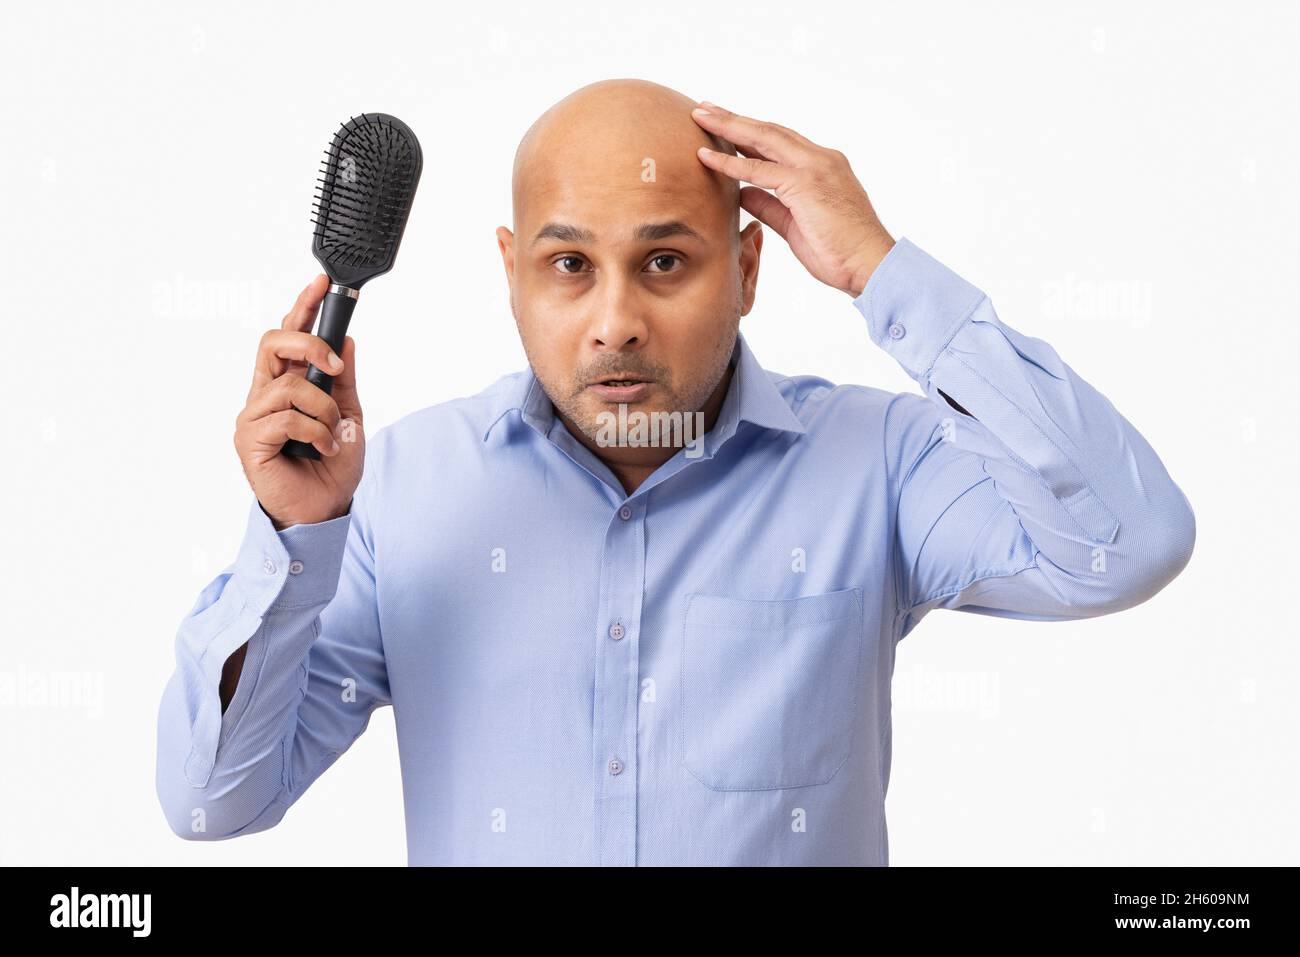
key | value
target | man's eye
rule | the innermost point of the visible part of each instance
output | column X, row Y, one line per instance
column 668, row 256
column 568, row 259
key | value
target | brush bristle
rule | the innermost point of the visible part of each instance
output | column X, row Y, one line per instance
column 364, row 193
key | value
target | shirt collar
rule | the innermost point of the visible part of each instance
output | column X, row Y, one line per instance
column 752, row 396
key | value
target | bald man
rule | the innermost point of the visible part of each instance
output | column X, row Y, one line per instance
column 639, row 602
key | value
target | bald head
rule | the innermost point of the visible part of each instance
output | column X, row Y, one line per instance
column 619, row 136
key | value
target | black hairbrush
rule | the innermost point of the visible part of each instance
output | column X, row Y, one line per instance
column 367, row 183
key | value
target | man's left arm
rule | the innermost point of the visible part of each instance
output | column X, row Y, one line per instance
column 1021, row 491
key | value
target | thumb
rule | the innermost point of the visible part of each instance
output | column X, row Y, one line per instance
column 767, row 209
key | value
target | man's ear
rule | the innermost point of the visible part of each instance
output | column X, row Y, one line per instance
column 751, row 245
column 506, row 243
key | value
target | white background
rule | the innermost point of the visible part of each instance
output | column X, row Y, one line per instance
column 1120, row 178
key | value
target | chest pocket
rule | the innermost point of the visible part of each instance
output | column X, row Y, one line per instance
column 769, row 688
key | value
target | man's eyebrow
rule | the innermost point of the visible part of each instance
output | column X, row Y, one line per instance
column 646, row 232
column 652, row 231
column 565, row 233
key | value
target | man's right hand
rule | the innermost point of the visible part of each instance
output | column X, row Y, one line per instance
column 297, row 491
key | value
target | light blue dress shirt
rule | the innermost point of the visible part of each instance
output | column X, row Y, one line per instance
column 699, row 672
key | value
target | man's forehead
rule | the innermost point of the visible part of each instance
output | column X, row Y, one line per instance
column 630, row 202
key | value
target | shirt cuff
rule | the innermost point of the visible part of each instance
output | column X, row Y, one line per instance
column 914, row 305
column 296, row 566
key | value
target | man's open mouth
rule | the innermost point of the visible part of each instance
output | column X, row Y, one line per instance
column 620, row 381
column 622, row 388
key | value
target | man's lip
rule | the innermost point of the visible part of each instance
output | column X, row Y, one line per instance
column 619, row 378
column 622, row 393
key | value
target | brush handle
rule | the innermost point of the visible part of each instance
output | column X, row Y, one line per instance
column 335, row 314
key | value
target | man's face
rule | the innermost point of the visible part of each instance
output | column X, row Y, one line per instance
column 622, row 269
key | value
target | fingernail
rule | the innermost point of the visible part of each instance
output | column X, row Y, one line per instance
column 701, row 112
column 704, row 150
column 708, row 104
column 334, row 361
column 334, row 446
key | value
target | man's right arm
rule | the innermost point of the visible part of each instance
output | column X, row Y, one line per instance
column 301, row 602
column 280, row 662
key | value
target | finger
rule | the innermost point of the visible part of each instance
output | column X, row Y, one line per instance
column 767, row 209
column 757, row 171
column 303, row 314
column 272, row 431
column 787, row 133
column 301, row 317
column 773, row 141
column 289, row 392
column 280, row 346
column 345, row 383
column 816, row 154
column 751, row 151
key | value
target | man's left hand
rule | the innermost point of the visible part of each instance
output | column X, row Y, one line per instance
column 816, row 205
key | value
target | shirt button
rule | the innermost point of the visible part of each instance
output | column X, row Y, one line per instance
column 295, row 567
column 268, row 566
column 615, row 766
column 616, row 631
column 625, row 513
column 896, row 331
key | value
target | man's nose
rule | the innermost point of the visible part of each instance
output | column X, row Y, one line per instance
column 619, row 321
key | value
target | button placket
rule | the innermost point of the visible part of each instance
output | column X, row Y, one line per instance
column 617, row 685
